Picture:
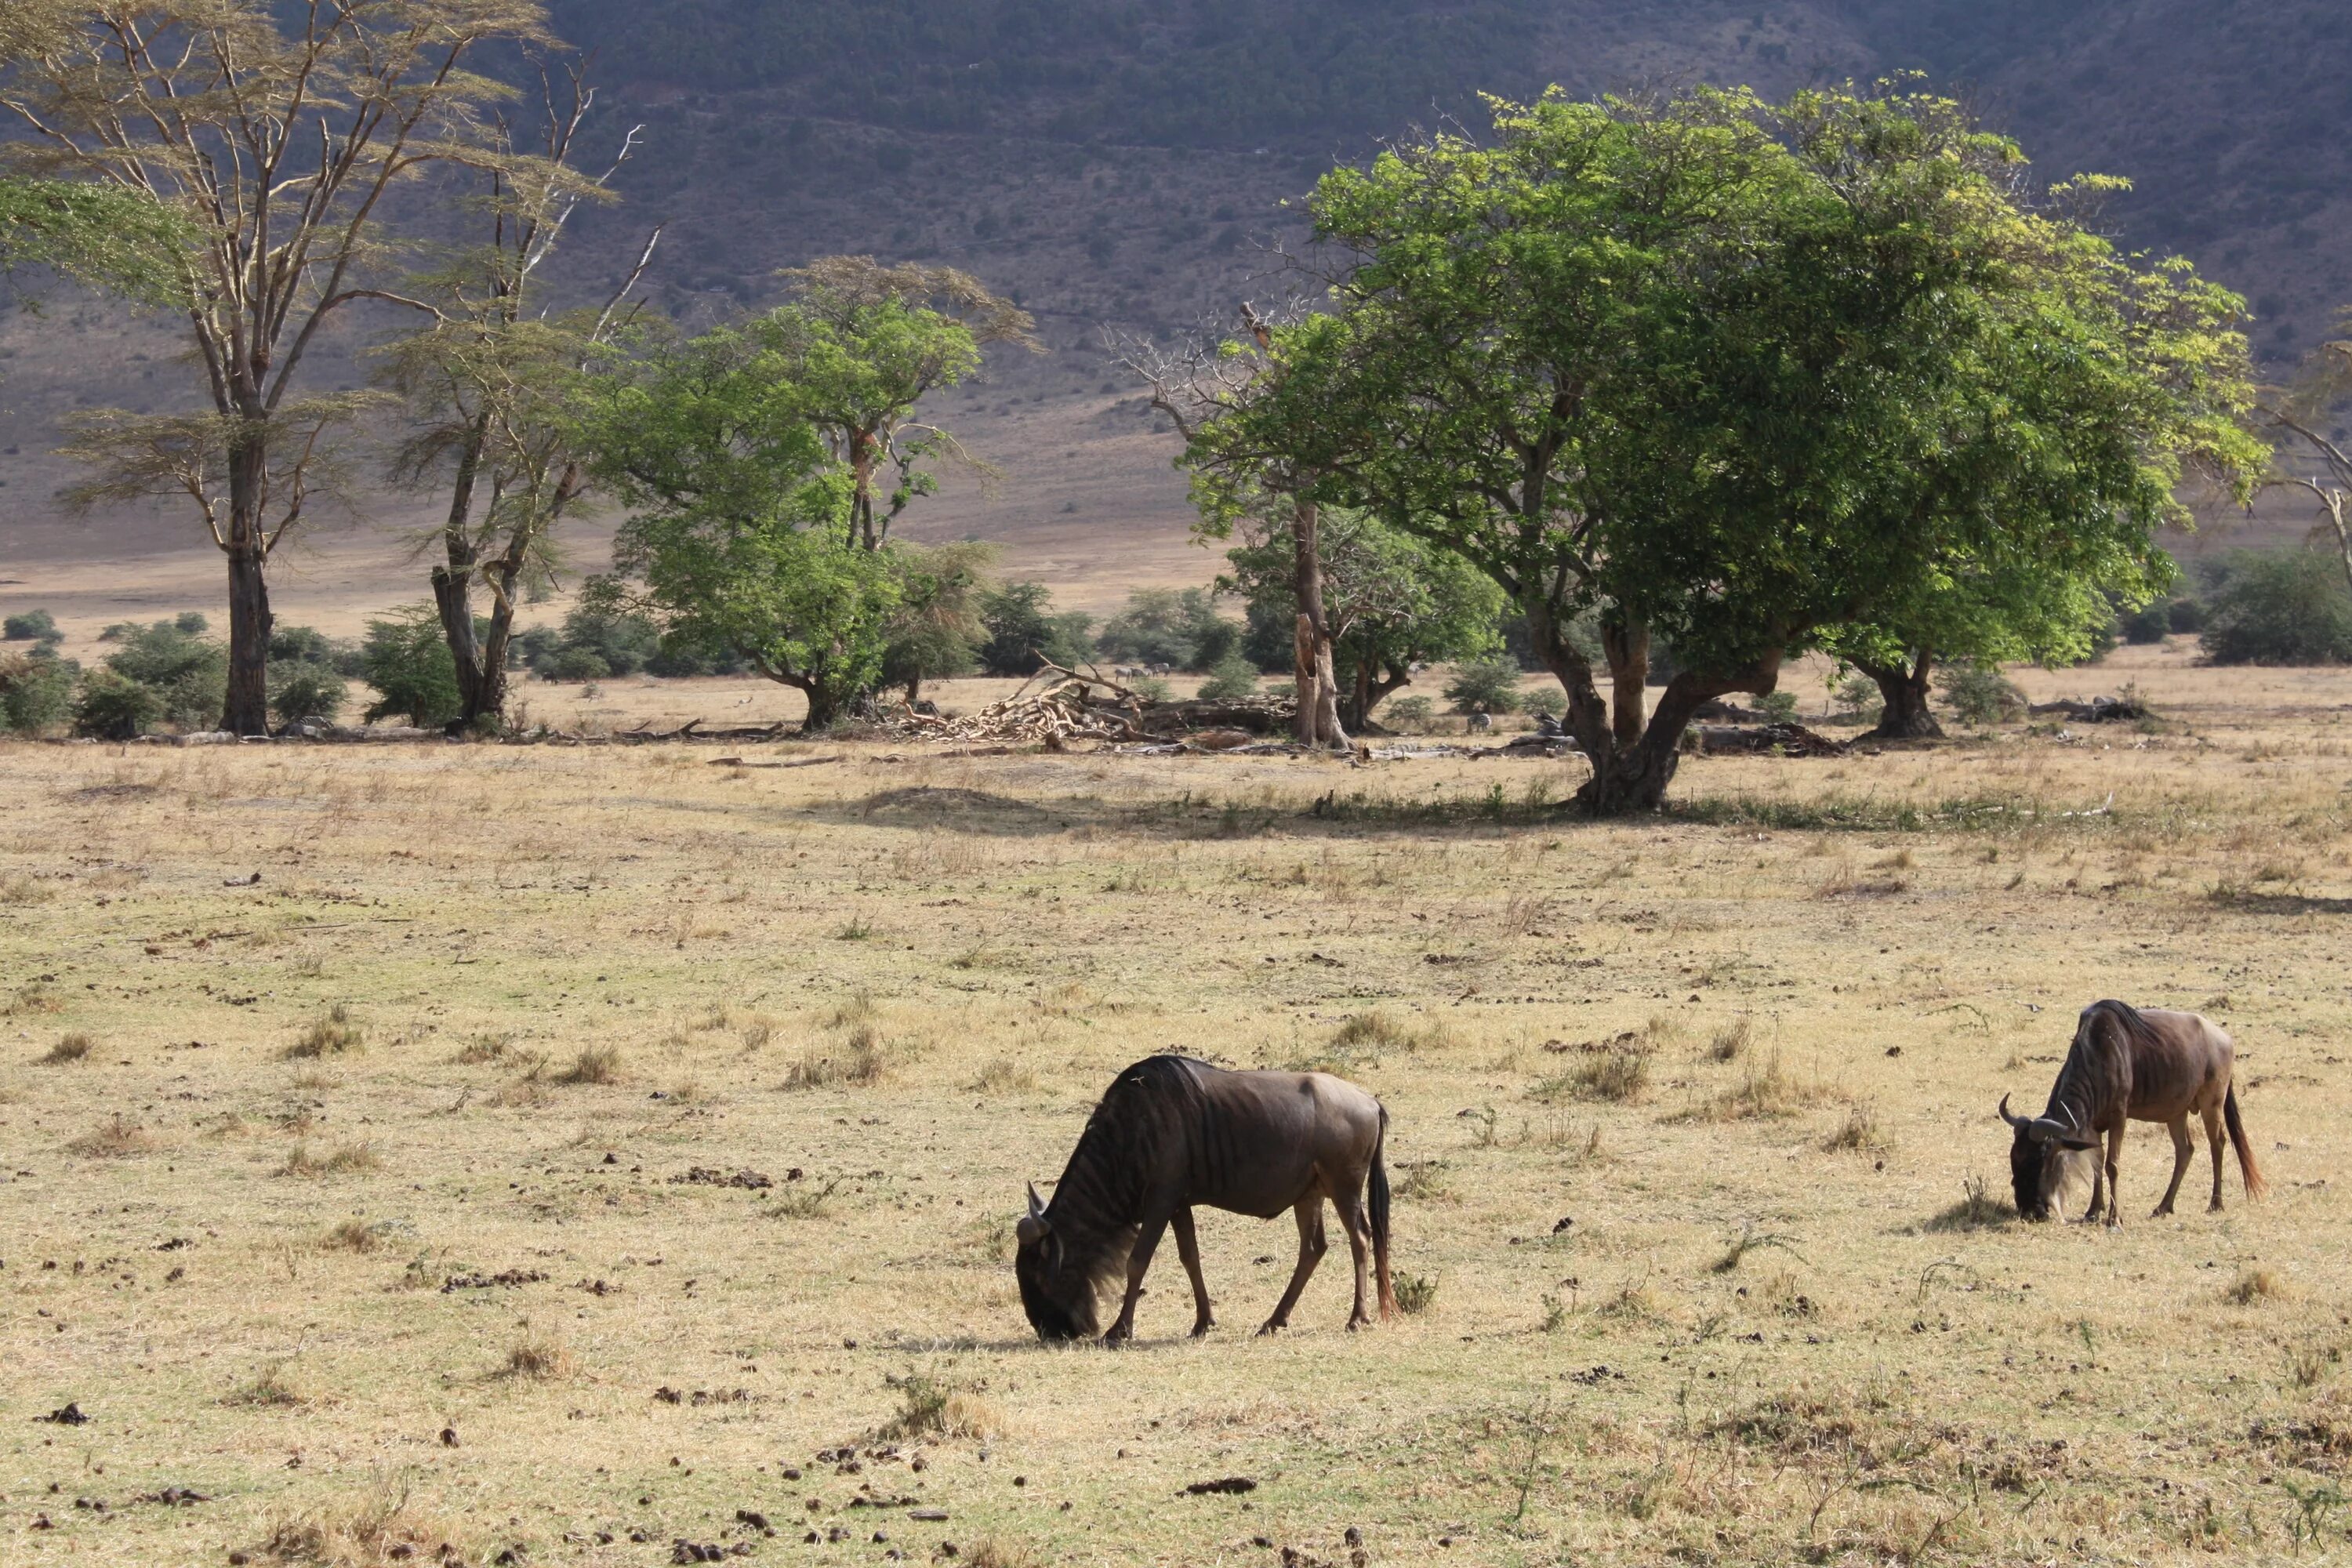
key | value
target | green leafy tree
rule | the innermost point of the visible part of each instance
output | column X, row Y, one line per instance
column 863, row 343
column 407, row 661
column 1392, row 599
column 302, row 690
column 1233, row 680
column 1024, row 632
column 739, row 540
column 1179, row 627
column 1739, row 379
column 275, row 133
column 1484, row 686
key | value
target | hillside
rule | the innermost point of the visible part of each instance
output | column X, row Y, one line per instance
column 1115, row 165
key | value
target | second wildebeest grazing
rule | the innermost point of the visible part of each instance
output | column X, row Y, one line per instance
column 1171, row 1133
column 2130, row 1065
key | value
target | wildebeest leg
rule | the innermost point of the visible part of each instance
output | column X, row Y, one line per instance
column 1358, row 1226
column 2184, row 1148
column 2213, row 1136
column 1139, row 1261
column 2115, row 1157
column 1310, row 1252
column 2098, row 1187
column 1188, row 1247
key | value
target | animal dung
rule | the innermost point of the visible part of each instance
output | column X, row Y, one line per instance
column 71, row 1416
column 1225, row 1486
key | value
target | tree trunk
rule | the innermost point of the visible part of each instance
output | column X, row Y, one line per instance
column 1316, row 673
column 1628, row 651
column 491, row 693
column 823, row 705
column 453, row 582
column 1905, row 688
column 1635, row 778
column 245, row 711
column 1587, row 719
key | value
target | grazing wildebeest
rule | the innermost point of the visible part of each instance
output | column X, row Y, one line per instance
column 1171, row 1133
column 2130, row 1065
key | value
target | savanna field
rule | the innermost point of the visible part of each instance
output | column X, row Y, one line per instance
column 603, row 1155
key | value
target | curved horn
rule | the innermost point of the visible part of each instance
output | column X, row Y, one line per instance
column 2006, row 1116
column 1032, row 1225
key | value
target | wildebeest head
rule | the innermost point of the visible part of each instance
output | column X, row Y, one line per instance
column 1057, row 1294
column 2037, row 1159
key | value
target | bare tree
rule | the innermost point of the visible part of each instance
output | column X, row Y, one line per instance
column 488, row 382
column 277, row 131
column 1199, row 382
column 2304, row 412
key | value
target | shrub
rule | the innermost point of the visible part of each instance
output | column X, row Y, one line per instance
column 1548, row 700
column 302, row 645
column 69, row 1048
column 33, row 625
column 408, row 663
column 1487, row 685
column 1018, row 626
column 36, row 692
column 593, row 1064
column 2278, row 607
column 2187, row 616
column 189, row 624
column 1858, row 698
column 1779, row 707
column 1151, row 688
column 2148, row 623
column 1980, row 694
column 1166, row 626
column 184, row 674
column 115, row 707
column 331, row 1034
column 1233, row 680
column 575, row 664
column 1408, row 713
column 1414, row 1293
column 305, row 690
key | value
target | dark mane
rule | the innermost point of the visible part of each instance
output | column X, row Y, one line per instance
column 2076, row 1098
column 1096, row 1203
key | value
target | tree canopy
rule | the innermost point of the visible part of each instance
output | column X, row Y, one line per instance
column 1738, row 376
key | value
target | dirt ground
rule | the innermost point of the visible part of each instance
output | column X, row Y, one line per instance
column 537, row 1156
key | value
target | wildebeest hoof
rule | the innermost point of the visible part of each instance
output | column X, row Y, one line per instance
column 1203, row 1327
column 1270, row 1330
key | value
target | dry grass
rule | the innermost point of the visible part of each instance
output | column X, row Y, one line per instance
column 117, row 1138
column 73, row 1048
column 1823, row 1400
column 593, row 1064
column 859, row 1061
column 331, row 1034
column 2254, row 1286
column 344, row 1160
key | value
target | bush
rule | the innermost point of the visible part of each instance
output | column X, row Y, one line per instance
column 189, row 624
column 625, row 641
column 302, row 645
column 1859, row 700
column 1408, row 713
column 1980, row 694
column 1165, row 626
column 2187, row 616
column 305, row 690
column 575, row 664
column 2278, row 607
column 408, row 663
column 36, row 692
column 1233, row 679
column 185, row 673
column 115, row 707
column 33, row 625
column 1488, row 686
column 1779, row 706
column 2148, row 623
column 1020, row 627
column 1547, row 700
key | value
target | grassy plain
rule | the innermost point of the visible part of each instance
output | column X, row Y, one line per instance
column 361, row 1199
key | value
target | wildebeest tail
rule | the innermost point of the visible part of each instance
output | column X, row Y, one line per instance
column 2256, row 1186
column 1379, row 1206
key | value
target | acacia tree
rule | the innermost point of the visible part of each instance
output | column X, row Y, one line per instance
column 2303, row 413
column 1200, row 386
column 865, row 343
column 1391, row 600
column 277, row 145
column 1736, row 377
column 490, row 382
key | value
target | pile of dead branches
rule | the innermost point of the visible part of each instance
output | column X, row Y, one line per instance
column 1057, row 706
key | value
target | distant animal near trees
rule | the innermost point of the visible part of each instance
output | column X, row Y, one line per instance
column 1171, row 1133
column 2130, row 1065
